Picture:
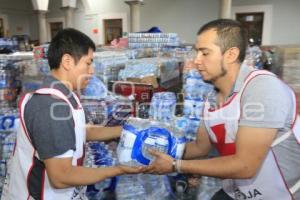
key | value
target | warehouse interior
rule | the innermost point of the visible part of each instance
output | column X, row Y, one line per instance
column 147, row 86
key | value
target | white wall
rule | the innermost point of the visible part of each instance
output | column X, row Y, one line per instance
column 89, row 20
column 54, row 9
column 19, row 16
column 184, row 17
column 285, row 21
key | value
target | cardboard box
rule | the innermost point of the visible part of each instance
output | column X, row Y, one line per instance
column 151, row 80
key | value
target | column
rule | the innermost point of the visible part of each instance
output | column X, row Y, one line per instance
column 41, row 7
column 225, row 9
column 42, row 26
column 68, row 6
column 135, row 6
column 69, row 16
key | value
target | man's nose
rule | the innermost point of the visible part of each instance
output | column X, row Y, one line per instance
column 92, row 70
column 198, row 59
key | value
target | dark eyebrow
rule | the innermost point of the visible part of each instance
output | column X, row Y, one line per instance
column 201, row 49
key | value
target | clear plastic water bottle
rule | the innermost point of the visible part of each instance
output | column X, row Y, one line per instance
column 161, row 144
column 98, row 155
column 149, row 144
column 125, row 147
column 156, row 186
column 8, row 143
column 129, row 187
column 163, row 105
column 208, row 187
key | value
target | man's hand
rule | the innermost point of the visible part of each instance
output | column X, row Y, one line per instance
column 161, row 165
column 131, row 170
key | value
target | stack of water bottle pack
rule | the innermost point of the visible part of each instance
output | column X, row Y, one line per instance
column 163, row 68
column 163, row 106
column 108, row 64
column 9, row 81
column 152, row 40
column 140, row 68
column 8, row 45
column 29, row 72
column 254, row 57
column 196, row 92
column 103, row 107
column 141, row 53
column 179, row 52
column 9, row 122
column 41, row 59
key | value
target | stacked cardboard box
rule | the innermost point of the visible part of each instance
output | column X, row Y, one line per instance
column 289, row 58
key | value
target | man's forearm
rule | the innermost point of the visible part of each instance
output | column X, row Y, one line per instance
column 194, row 150
column 101, row 133
column 81, row 176
column 223, row 167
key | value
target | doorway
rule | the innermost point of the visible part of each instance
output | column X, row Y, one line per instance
column 112, row 29
column 1, row 27
column 253, row 22
column 55, row 27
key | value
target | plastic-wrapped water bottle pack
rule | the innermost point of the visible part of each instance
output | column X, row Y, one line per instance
column 10, row 77
column 189, row 126
column 139, row 69
column 43, row 66
column 152, row 40
column 10, row 44
column 98, row 154
column 141, row 53
column 149, row 66
column 163, row 106
column 9, row 123
column 208, row 187
column 108, row 64
column 103, row 107
column 40, row 56
column 196, row 92
column 194, row 86
column 140, row 135
column 95, row 89
column 143, row 187
column 108, row 113
column 152, row 35
column 254, row 57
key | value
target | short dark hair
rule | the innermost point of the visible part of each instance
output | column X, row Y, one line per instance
column 68, row 41
column 230, row 33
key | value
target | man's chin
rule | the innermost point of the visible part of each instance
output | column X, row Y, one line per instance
column 205, row 78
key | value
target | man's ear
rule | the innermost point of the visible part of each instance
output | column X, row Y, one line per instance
column 232, row 55
column 67, row 62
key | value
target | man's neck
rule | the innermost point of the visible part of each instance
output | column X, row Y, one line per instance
column 62, row 78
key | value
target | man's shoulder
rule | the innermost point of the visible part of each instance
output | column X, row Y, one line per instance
column 267, row 82
column 40, row 105
column 41, row 100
